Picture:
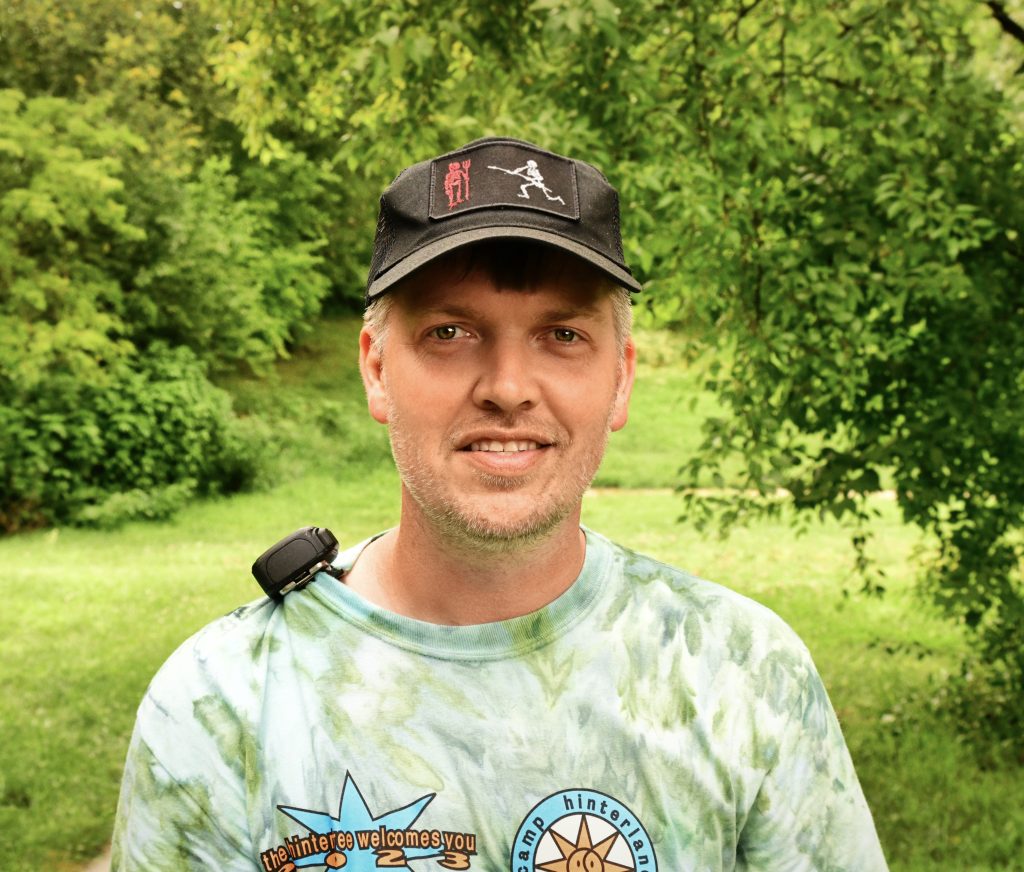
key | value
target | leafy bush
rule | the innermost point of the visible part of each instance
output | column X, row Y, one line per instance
column 220, row 283
column 120, row 287
column 137, row 504
column 62, row 219
column 137, row 442
column 84, row 414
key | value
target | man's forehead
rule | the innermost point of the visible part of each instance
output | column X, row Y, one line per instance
column 477, row 294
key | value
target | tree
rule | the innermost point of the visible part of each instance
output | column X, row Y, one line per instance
column 134, row 260
column 827, row 191
column 875, row 296
column 87, row 410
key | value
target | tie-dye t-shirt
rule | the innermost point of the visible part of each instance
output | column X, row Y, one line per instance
column 645, row 720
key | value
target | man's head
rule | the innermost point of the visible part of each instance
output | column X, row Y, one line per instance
column 502, row 361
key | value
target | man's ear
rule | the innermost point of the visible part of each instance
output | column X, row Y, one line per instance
column 371, row 367
column 624, row 389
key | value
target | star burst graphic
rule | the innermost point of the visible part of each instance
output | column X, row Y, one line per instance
column 354, row 816
column 582, row 855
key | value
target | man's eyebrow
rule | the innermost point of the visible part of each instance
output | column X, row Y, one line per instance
column 581, row 310
column 446, row 310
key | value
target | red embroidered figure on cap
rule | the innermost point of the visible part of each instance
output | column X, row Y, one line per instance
column 456, row 183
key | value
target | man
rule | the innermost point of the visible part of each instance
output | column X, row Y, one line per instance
column 489, row 685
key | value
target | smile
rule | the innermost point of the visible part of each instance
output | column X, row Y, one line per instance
column 503, row 447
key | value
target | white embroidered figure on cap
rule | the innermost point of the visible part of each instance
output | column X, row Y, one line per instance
column 533, row 180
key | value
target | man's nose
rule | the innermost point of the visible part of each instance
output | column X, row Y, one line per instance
column 507, row 381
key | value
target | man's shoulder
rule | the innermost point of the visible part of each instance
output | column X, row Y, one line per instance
column 220, row 654
column 669, row 594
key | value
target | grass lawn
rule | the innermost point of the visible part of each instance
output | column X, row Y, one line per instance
column 90, row 616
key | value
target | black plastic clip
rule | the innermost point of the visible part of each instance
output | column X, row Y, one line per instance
column 291, row 563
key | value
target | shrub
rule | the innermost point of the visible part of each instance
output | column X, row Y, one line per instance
column 220, row 282
column 122, row 281
column 134, row 443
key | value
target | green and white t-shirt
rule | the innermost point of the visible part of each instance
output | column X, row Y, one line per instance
column 645, row 720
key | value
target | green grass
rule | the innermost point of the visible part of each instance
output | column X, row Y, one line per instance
column 89, row 616
column 666, row 411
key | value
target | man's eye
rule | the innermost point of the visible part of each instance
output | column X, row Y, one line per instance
column 446, row 332
column 564, row 334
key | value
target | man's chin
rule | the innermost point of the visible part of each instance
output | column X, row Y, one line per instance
column 500, row 531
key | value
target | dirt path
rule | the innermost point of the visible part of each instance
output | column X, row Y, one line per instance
column 100, row 864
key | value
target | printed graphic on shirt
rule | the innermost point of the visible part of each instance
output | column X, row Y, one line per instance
column 582, row 831
column 358, row 841
column 505, row 175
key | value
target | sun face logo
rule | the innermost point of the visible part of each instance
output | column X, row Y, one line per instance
column 582, row 831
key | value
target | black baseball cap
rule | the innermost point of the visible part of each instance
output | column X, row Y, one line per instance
column 496, row 188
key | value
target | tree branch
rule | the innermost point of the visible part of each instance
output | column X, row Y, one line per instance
column 742, row 13
column 1005, row 22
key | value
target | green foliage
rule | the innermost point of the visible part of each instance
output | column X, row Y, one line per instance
column 134, row 442
column 83, row 413
column 62, row 215
column 870, row 275
column 128, row 231
column 221, row 285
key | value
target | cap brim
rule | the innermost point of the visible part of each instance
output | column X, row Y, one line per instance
column 430, row 252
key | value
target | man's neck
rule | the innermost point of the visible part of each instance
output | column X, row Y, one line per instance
column 416, row 572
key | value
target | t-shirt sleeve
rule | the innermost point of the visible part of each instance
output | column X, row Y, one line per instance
column 810, row 812
column 183, row 798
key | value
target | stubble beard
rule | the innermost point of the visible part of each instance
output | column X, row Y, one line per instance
column 472, row 529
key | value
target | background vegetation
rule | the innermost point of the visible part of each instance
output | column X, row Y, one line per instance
column 823, row 199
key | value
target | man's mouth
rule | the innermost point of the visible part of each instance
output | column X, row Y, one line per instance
column 503, row 447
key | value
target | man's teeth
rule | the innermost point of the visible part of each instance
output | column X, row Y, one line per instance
column 492, row 445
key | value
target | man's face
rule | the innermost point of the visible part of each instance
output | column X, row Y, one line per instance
column 498, row 403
